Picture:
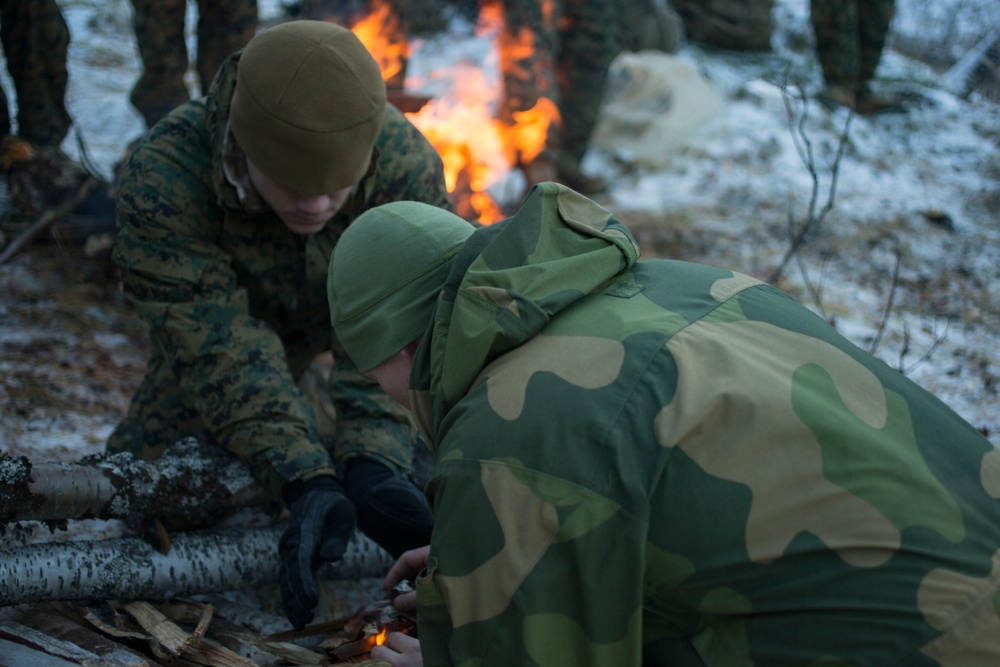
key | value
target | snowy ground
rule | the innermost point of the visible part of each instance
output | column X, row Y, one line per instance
column 925, row 182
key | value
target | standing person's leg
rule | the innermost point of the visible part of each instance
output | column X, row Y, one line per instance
column 159, row 34
column 528, row 45
column 874, row 19
column 35, row 42
column 588, row 42
column 835, row 26
column 224, row 26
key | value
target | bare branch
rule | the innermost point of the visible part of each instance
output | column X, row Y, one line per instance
column 47, row 218
column 797, row 112
column 935, row 344
column 894, row 283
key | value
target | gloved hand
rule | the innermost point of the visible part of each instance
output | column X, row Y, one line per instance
column 391, row 510
column 321, row 524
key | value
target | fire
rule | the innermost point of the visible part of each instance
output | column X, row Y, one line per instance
column 380, row 638
column 382, row 35
column 478, row 150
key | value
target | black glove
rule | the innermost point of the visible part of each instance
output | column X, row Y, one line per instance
column 321, row 524
column 391, row 510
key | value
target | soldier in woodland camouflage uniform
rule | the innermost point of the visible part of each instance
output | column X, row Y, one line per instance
column 223, row 27
column 660, row 463
column 228, row 212
column 35, row 40
column 850, row 35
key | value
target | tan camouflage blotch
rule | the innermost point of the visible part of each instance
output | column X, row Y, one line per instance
column 944, row 596
column 561, row 355
column 528, row 525
column 990, row 473
column 847, row 520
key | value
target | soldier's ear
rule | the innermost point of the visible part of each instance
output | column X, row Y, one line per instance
column 410, row 351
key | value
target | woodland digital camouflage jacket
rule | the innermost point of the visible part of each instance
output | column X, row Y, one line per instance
column 662, row 463
column 237, row 303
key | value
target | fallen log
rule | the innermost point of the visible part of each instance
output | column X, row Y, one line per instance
column 190, row 486
column 131, row 569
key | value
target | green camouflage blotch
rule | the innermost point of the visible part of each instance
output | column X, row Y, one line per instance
column 864, row 459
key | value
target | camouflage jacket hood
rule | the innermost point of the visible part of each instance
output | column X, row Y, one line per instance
column 508, row 281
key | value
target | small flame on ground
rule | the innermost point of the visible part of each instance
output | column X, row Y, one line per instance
column 380, row 638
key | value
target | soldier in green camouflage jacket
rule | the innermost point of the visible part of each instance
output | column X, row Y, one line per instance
column 228, row 213
column 660, row 463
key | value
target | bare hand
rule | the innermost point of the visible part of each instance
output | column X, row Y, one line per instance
column 406, row 567
column 399, row 650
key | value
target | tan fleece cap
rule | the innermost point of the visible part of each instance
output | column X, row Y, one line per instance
column 385, row 276
column 308, row 105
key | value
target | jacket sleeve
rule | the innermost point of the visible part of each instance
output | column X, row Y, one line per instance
column 528, row 569
column 369, row 422
column 230, row 365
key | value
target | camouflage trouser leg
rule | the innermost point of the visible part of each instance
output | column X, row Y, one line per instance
column 159, row 415
column 528, row 68
column 850, row 35
column 159, row 34
column 588, row 44
column 35, row 41
column 874, row 19
column 224, row 26
column 528, row 47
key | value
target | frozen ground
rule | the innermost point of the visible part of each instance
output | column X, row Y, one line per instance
column 921, row 187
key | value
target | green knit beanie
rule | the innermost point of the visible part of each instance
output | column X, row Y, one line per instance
column 308, row 105
column 385, row 276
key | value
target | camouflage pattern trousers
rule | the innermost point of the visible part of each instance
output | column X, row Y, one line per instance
column 224, row 26
column 850, row 35
column 572, row 44
column 35, row 41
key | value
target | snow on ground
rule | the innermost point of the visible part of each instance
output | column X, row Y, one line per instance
column 923, row 186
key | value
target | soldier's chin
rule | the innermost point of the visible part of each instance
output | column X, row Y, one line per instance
column 305, row 225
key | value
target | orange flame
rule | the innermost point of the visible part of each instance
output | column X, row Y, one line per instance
column 380, row 638
column 382, row 35
column 477, row 149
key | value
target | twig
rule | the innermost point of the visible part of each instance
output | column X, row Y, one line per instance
column 804, row 148
column 48, row 217
column 897, row 249
column 815, row 291
column 938, row 339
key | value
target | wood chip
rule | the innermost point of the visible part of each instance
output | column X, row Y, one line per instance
column 169, row 635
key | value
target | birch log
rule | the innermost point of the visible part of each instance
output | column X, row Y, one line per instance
column 131, row 569
column 190, row 486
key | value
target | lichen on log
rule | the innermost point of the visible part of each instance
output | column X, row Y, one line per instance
column 190, row 486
